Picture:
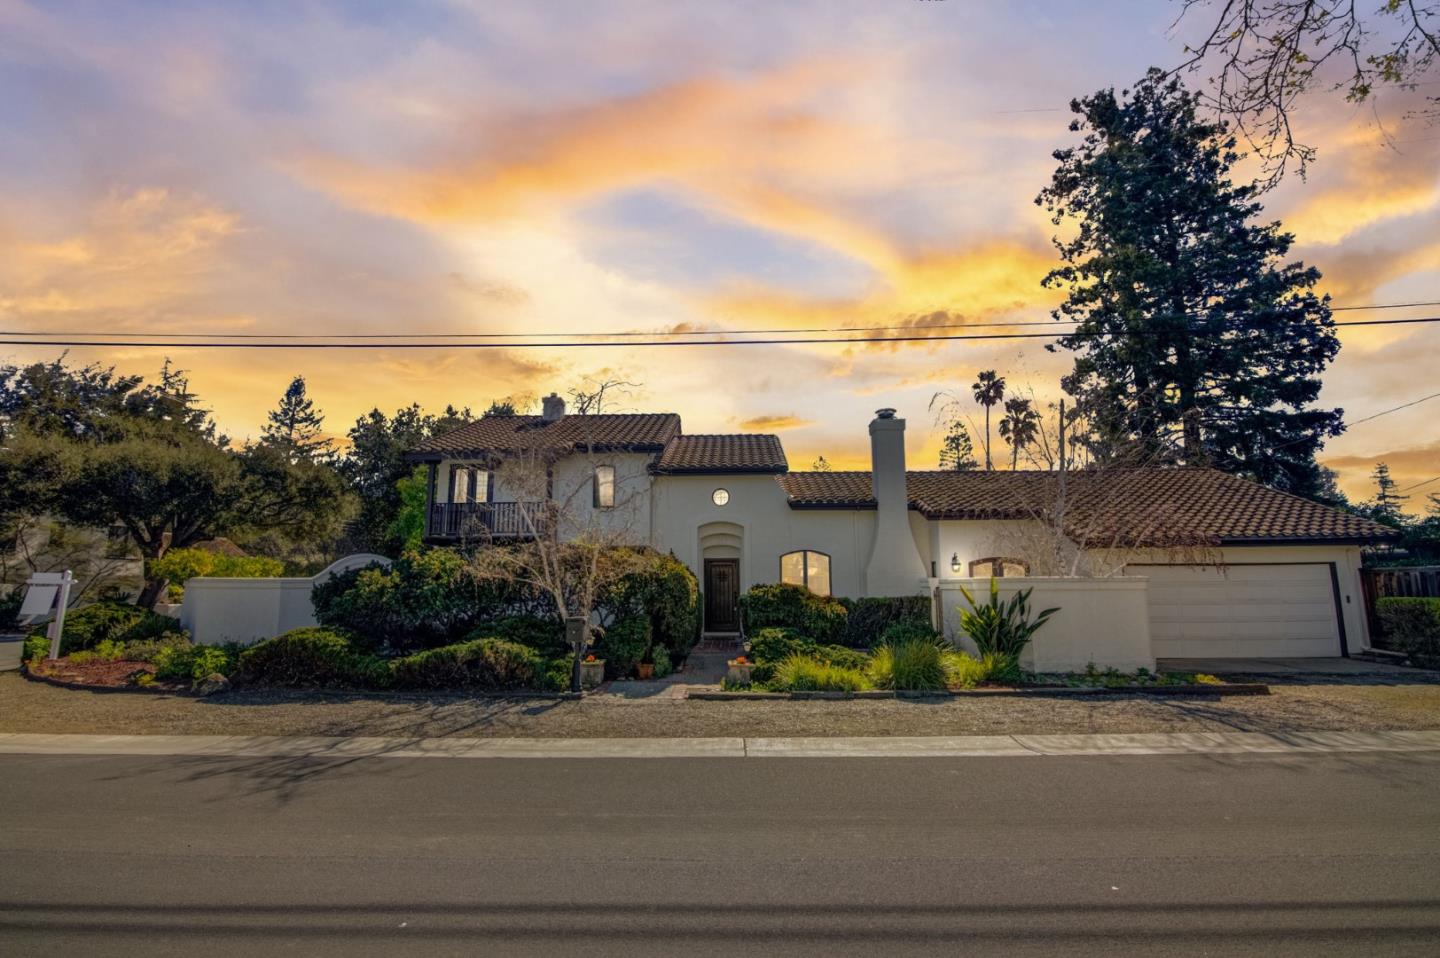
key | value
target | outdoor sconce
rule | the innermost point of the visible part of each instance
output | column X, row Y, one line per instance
column 954, row 562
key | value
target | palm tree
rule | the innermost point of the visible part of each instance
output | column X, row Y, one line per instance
column 989, row 389
column 1019, row 427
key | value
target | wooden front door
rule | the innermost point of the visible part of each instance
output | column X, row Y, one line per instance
column 722, row 595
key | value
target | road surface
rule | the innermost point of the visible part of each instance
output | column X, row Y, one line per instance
column 1160, row 854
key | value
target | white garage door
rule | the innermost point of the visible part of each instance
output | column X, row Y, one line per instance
column 1242, row 610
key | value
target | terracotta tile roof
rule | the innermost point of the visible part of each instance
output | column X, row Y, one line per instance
column 735, row 452
column 637, row 432
column 1203, row 503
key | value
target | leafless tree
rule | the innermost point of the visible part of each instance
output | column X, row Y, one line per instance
column 42, row 544
column 1263, row 56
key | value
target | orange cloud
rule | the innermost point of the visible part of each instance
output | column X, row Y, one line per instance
column 1361, row 183
column 773, row 423
column 1408, row 465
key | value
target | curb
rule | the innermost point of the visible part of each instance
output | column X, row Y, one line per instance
column 1168, row 691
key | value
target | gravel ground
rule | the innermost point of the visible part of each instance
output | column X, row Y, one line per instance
column 27, row 706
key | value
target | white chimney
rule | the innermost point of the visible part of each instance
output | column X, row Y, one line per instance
column 552, row 407
column 895, row 567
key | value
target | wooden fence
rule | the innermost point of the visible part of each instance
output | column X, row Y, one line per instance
column 1422, row 581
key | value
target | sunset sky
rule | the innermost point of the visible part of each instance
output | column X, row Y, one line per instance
column 485, row 166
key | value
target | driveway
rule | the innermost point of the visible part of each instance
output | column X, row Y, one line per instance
column 1287, row 667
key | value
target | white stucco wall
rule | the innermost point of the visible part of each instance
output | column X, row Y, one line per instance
column 1105, row 621
column 216, row 611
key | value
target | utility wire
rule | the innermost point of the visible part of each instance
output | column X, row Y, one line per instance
column 1419, row 484
column 271, row 342
column 624, row 333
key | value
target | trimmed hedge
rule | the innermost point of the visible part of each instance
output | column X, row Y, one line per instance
column 783, row 606
column 769, row 647
column 546, row 636
column 312, row 658
column 488, row 664
column 1412, row 625
column 99, row 622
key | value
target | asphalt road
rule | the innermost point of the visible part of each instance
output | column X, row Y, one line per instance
column 1195, row 854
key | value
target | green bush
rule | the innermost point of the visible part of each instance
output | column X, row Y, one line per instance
column 545, row 636
column 783, row 606
column 193, row 663
column 488, row 664
column 178, row 565
column 312, row 657
column 868, row 618
column 799, row 673
column 908, row 631
column 1412, row 626
column 556, row 677
column 146, row 650
column 424, row 599
column 99, row 622
column 1001, row 628
column 841, row 656
column 37, row 646
column 664, row 590
column 915, row 665
column 624, row 645
column 661, row 660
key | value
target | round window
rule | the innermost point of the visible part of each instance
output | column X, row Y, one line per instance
column 720, row 497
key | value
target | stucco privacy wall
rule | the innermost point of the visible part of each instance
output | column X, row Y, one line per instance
column 215, row 611
column 1104, row 621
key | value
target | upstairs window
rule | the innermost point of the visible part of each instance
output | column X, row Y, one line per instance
column 470, row 485
column 806, row 568
column 604, row 487
column 999, row 567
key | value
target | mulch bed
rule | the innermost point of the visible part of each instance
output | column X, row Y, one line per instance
column 97, row 675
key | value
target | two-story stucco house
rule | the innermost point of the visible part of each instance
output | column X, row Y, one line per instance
column 1284, row 580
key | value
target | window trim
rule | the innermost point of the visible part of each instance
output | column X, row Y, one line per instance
column 805, row 569
column 595, row 487
column 1002, row 561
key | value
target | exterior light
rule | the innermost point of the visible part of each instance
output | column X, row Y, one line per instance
column 954, row 562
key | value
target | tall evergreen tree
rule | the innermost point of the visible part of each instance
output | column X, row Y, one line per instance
column 957, row 451
column 1196, row 339
column 1385, row 507
column 295, row 426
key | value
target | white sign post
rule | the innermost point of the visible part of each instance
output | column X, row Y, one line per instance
column 48, row 593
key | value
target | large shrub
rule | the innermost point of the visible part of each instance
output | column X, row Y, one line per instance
column 770, row 647
column 99, row 622
column 487, row 664
column 868, row 618
column 783, row 606
column 546, row 636
column 662, row 589
column 194, row 663
column 312, row 658
column 1412, row 626
column 799, row 673
column 178, row 565
column 425, row 598
column 624, row 644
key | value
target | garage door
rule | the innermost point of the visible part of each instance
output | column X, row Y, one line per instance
column 1241, row 610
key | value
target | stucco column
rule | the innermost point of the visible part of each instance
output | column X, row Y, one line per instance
column 895, row 567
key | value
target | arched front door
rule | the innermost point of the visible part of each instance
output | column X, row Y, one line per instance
column 722, row 595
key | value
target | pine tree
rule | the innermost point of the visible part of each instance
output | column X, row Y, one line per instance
column 957, row 452
column 1385, row 507
column 1196, row 339
column 295, row 426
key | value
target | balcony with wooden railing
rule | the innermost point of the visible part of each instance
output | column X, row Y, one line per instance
column 485, row 520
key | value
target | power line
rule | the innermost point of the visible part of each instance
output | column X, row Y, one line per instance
column 1419, row 484
column 271, row 342
column 796, row 330
column 1386, row 412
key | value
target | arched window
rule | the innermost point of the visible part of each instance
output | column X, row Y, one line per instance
column 808, row 568
column 1000, row 567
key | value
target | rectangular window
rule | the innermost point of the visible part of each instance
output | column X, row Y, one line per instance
column 792, row 568
column 479, row 485
column 461, row 492
column 604, row 487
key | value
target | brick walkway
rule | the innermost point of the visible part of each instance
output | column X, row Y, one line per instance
column 705, row 667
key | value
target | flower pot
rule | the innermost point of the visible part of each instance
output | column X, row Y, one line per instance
column 739, row 672
column 592, row 674
column 645, row 670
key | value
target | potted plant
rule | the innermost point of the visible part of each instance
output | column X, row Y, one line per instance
column 592, row 672
column 646, row 667
column 739, row 672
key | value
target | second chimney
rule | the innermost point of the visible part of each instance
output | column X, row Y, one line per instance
column 895, row 567
column 552, row 407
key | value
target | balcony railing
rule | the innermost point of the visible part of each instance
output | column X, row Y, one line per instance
column 485, row 520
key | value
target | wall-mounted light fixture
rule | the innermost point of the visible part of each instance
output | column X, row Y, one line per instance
column 954, row 562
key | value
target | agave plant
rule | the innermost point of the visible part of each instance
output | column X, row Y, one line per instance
column 1001, row 628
